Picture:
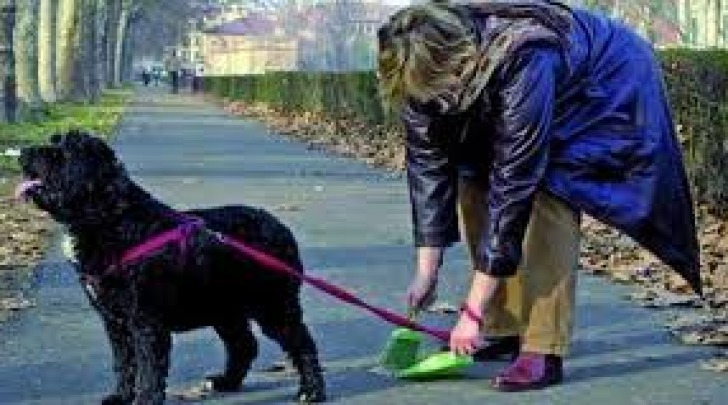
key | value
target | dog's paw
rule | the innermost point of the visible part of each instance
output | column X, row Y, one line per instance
column 309, row 395
column 221, row 383
column 116, row 399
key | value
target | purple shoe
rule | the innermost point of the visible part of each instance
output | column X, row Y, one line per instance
column 530, row 371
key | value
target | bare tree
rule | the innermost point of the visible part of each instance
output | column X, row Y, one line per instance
column 81, row 55
column 113, row 14
column 7, row 61
column 26, row 54
column 47, row 49
column 67, row 24
column 127, row 7
column 718, row 22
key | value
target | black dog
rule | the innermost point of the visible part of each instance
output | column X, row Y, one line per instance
column 187, row 284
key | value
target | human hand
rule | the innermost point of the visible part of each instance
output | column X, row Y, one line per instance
column 465, row 337
column 422, row 292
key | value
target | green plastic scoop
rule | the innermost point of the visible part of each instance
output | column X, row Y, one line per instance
column 401, row 350
column 438, row 365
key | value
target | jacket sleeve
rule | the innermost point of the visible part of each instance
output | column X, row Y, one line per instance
column 525, row 97
column 432, row 180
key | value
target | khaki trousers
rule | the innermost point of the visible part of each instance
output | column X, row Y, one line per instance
column 538, row 302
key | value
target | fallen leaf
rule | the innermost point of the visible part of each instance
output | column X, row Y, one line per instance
column 622, row 277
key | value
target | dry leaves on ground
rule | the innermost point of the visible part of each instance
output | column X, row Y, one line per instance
column 23, row 231
column 23, row 234
column 609, row 253
column 375, row 144
column 708, row 327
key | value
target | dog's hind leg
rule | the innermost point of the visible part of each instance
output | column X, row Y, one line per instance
column 293, row 336
column 241, row 349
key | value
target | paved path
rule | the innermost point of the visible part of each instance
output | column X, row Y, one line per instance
column 352, row 222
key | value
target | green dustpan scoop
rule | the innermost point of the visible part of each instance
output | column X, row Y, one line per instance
column 402, row 348
column 438, row 365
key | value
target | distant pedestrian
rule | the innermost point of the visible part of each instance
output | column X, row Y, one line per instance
column 146, row 75
column 156, row 75
column 173, row 66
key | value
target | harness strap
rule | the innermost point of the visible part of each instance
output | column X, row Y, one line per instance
column 180, row 234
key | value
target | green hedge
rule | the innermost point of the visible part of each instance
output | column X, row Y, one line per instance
column 698, row 85
column 697, row 81
column 335, row 94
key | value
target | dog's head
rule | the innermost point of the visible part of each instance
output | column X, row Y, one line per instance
column 73, row 177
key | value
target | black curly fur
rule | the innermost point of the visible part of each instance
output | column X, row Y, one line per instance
column 85, row 187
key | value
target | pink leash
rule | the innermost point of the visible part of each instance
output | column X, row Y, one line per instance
column 323, row 285
column 182, row 232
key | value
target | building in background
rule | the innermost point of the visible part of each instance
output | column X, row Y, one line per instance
column 254, row 44
column 333, row 35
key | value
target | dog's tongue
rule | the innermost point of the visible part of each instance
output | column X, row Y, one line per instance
column 24, row 186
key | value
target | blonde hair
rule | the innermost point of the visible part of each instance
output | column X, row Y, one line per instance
column 426, row 51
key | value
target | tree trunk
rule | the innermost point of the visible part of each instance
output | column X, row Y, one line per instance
column 26, row 54
column 127, row 70
column 80, row 89
column 718, row 22
column 91, row 61
column 98, row 46
column 65, row 31
column 120, row 40
column 7, row 62
column 112, row 30
column 47, row 50
column 101, row 41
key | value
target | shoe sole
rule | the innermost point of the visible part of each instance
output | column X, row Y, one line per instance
column 525, row 387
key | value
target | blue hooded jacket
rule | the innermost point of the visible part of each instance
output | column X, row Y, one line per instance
column 589, row 123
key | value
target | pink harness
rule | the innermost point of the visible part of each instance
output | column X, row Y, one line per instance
column 181, row 233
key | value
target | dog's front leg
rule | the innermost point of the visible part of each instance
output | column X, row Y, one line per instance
column 152, row 345
column 122, row 348
column 119, row 334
